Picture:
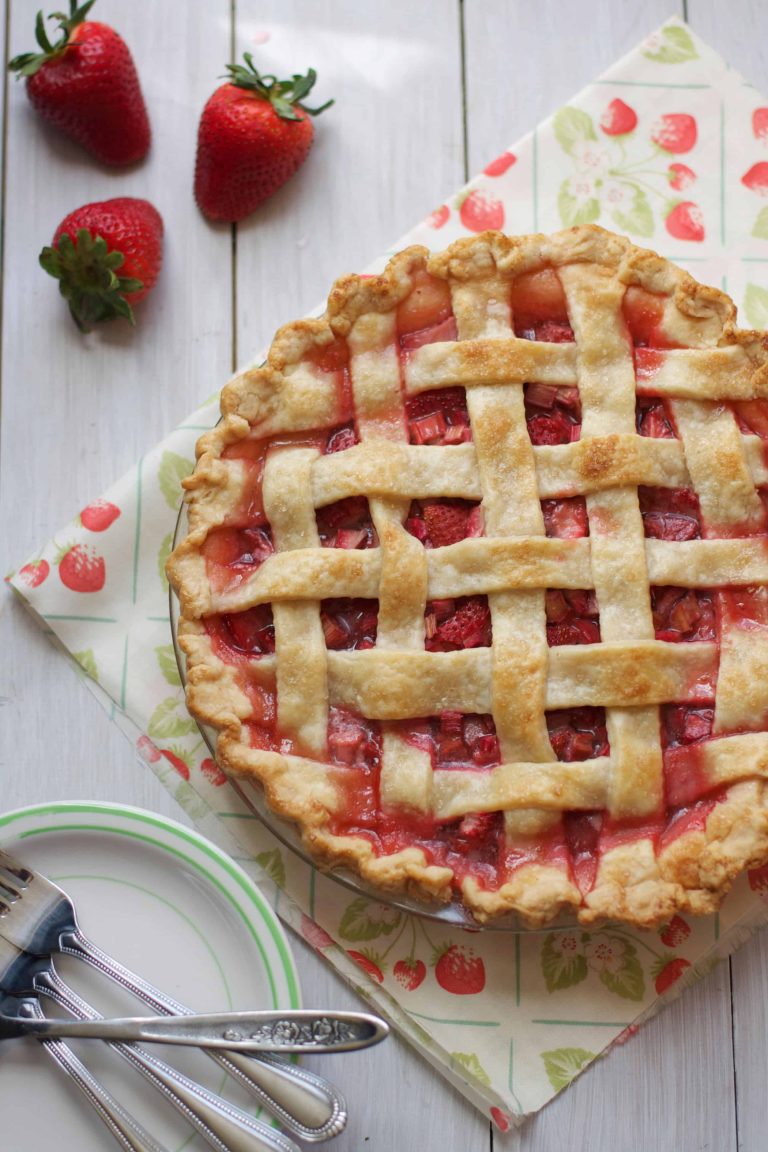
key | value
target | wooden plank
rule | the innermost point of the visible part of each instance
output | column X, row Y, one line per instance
column 78, row 411
column 525, row 61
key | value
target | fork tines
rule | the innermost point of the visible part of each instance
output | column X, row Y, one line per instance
column 9, row 865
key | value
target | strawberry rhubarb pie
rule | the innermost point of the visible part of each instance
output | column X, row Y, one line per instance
column 476, row 580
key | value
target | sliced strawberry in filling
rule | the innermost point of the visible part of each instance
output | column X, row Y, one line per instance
column 539, row 307
column 451, row 625
column 438, row 417
column 346, row 524
column 438, row 523
column 670, row 513
column 341, row 438
column 566, row 518
column 682, row 614
column 752, row 417
column 232, row 554
column 425, row 316
column 553, row 414
column 644, row 317
column 349, row 624
column 572, row 617
column 581, row 832
column 652, row 419
column 577, row 733
column 251, row 632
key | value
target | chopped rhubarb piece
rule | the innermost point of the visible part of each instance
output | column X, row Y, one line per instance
column 553, row 414
column 487, row 751
column 441, row 333
column 683, row 614
column 670, row 513
column 554, row 332
column 467, row 626
column 682, row 724
column 652, row 419
column 578, row 733
column 416, row 526
column 341, row 438
column 346, row 524
column 428, row 429
column 566, row 518
column 353, row 740
column 541, row 395
column 349, row 624
column 252, row 631
column 558, row 608
column 575, row 631
column 685, row 780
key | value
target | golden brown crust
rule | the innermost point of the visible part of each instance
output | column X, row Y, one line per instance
column 629, row 672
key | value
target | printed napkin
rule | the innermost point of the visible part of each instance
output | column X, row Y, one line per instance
column 670, row 147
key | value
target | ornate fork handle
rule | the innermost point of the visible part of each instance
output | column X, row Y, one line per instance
column 304, row 1103
column 225, row 1127
column 128, row 1132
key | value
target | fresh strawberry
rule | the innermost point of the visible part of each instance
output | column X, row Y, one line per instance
column 675, row 932
column 756, row 179
column 410, row 973
column 500, row 165
column 180, row 765
column 81, row 569
column 213, row 773
column 680, row 177
column 86, row 85
column 369, row 964
column 669, row 973
column 675, row 132
column 479, row 212
column 98, row 516
column 760, row 123
column 460, row 971
column 34, row 573
column 618, row 119
column 91, row 244
column 685, row 222
column 254, row 133
column 439, row 217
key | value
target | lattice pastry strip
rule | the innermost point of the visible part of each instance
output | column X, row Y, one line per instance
column 668, row 398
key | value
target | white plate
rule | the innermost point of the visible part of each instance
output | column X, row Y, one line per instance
column 175, row 909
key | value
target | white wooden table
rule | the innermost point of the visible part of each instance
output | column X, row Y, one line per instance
column 427, row 92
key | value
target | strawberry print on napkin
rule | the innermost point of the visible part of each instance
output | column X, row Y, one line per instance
column 670, row 147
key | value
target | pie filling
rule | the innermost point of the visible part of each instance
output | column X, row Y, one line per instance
column 479, row 845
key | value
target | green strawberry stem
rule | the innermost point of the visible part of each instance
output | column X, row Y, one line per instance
column 397, row 937
column 433, row 946
column 31, row 62
column 283, row 95
column 87, row 278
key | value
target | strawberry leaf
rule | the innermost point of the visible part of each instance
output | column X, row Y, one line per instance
column 756, row 306
column 364, row 920
column 273, row 865
column 561, row 969
column 563, row 1064
column 165, row 722
column 87, row 280
column 166, row 658
column 173, row 469
column 162, row 557
column 760, row 228
column 469, row 1062
column 87, row 662
column 638, row 218
column 571, row 125
column 677, row 47
column 627, row 981
column 575, row 211
column 283, row 95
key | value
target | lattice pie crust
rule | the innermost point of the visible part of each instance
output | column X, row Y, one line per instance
column 450, row 778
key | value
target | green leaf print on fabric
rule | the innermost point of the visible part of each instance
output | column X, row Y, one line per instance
column 575, row 209
column 563, row 1064
column 165, row 722
column 173, row 469
column 638, row 217
column 166, row 658
column 756, row 306
column 364, row 920
column 672, row 45
column 563, row 962
column 87, row 662
column 571, row 126
column 616, row 963
column 470, row 1061
column 274, row 866
column 760, row 227
column 162, row 556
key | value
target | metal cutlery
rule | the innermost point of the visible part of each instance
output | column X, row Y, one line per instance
column 225, row 1127
column 293, row 1031
column 36, row 915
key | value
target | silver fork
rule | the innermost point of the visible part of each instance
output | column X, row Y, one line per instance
column 37, row 916
column 225, row 1127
